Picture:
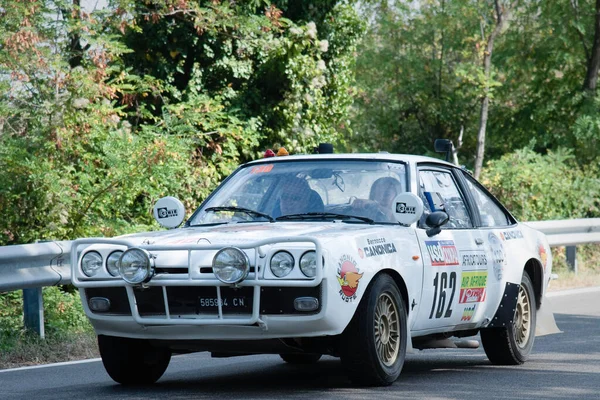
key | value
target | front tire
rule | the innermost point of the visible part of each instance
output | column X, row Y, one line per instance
column 512, row 345
column 132, row 361
column 373, row 345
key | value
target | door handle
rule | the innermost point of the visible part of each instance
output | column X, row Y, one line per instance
column 479, row 241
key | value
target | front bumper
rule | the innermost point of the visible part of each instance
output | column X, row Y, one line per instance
column 188, row 306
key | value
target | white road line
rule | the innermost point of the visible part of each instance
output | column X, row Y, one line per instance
column 573, row 291
column 51, row 365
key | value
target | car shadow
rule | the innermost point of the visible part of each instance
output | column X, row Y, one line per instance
column 561, row 366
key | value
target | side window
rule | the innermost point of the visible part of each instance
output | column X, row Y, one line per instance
column 491, row 214
column 439, row 192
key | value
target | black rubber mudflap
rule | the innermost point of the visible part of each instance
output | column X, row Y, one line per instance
column 506, row 310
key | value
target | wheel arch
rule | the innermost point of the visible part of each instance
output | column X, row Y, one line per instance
column 401, row 285
column 536, row 272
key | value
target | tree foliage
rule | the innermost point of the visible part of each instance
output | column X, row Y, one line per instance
column 420, row 78
column 420, row 74
column 103, row 112
column 539, row 187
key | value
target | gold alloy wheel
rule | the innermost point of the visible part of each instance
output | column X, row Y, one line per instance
column 522, row 318
column 387, row 330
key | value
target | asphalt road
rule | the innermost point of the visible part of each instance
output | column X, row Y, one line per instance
column 562, row 366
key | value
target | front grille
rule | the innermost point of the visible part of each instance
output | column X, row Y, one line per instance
column 150, row 301
column 201, row 301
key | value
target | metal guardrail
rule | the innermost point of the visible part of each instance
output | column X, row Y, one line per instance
column 569, row 232
column 35, row 265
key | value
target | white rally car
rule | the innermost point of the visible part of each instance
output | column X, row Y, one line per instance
column 358, row 256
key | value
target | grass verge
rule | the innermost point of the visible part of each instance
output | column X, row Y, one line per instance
column 25, row 349
column 588, row 268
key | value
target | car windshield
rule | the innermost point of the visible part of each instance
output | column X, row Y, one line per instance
column 354, row 191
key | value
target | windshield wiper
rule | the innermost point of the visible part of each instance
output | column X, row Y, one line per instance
column 323, row 215
column 241, row 209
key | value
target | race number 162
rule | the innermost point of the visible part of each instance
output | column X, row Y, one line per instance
column 440, row 284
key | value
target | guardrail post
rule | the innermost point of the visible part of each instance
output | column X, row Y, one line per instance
column 572, row 258
column 33, row 310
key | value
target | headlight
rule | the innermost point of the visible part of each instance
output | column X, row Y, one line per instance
column 308, row 264
column 282, row 264
column 136, row 266
column 91, row 263
column 112, row 263
column 231, row 265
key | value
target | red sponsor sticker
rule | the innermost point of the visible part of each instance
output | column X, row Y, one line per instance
column 472, row 295
column 442, row 252
column 261, row 169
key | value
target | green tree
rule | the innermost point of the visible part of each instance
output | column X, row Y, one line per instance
column 544, row 59
column 421, row 74
column 103, row 112
column 544, row 187
column 278, row 80
column 70, row 165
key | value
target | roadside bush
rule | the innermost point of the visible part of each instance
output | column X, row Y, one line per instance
column 11, row 314
column 63, row 312
column 544, row 187
column 63, row 316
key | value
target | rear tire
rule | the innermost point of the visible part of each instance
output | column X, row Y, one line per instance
column 512, row 345
column 373, row 345
column 300, row 359
column 132, row 361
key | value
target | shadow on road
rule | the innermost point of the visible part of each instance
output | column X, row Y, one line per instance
column 561, row 366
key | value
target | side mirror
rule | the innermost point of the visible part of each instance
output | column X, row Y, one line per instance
column 435, row 220
column 169, row 212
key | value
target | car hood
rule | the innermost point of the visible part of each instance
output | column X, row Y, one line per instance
column 231, row 234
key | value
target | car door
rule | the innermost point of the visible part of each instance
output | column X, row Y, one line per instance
column 455, row 261
column 502, row 237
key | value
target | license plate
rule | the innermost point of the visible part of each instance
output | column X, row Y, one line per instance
column 229, row 303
